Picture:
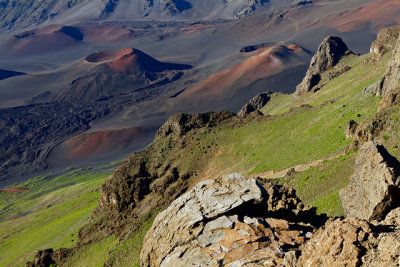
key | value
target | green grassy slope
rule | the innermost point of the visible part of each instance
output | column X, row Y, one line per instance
column 308, row 129
column 292, row 132
column 50, row 214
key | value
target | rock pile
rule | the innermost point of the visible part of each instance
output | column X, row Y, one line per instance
column 331, row 50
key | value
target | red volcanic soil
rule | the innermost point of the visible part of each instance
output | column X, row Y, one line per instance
column 262, row 63
column 132, row 60
column 120, row 60
column 106, row 34
column 42, row 40
column 14, row 190
column 93, row 144
column 58, row 37
column 381, row 13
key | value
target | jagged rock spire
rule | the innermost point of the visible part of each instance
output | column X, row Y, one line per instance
column 331, row 50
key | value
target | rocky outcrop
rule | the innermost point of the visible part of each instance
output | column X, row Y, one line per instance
column 374, row 188
column 174, row 7
column 331, row 50
column 42, row 259
column 151, row 179
column 350, row 129
column 256, row 103
column 249, row 7
column 351, row 242
column 181, row 123
column 385, row 42
column 228, row 220
column 368, row 130
column 389, row 86
column 393, row 217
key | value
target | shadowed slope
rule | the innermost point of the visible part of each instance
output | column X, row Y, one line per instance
column 4, row 74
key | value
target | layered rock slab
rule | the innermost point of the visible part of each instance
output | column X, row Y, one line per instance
column 228, row 220
column 329, row 53
column 374, row 188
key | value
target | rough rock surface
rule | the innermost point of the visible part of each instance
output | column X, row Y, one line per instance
column 351, row 128
column 385, row 42
column 393, row 217
column 352, row 242
column 331, row 50
column 49, row 257
column 181, row 123
column 256, row 103
column 389, row 86
column 374, row 188
column 228, row 220
column 42, row 258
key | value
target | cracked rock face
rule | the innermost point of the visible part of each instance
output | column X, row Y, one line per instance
column 331, row 50
column 228, row 220
column 374, row 188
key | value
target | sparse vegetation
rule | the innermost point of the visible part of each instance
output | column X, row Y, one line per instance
column 50, row 214
column 294, row 132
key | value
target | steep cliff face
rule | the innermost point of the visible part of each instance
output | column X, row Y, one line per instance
column 331, row 50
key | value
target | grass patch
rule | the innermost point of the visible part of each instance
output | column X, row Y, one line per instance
column 278, row 104
column 319, row 186
column 94, row 254
column 49, row 215
column 128, row 252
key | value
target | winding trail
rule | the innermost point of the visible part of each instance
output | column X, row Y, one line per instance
column 271, row 174
column 296, row 25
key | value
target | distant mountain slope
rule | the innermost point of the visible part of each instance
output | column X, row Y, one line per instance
column 120, row 71
column 17, row 14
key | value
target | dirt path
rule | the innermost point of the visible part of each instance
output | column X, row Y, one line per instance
column 270, row 174
column 296, row 25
